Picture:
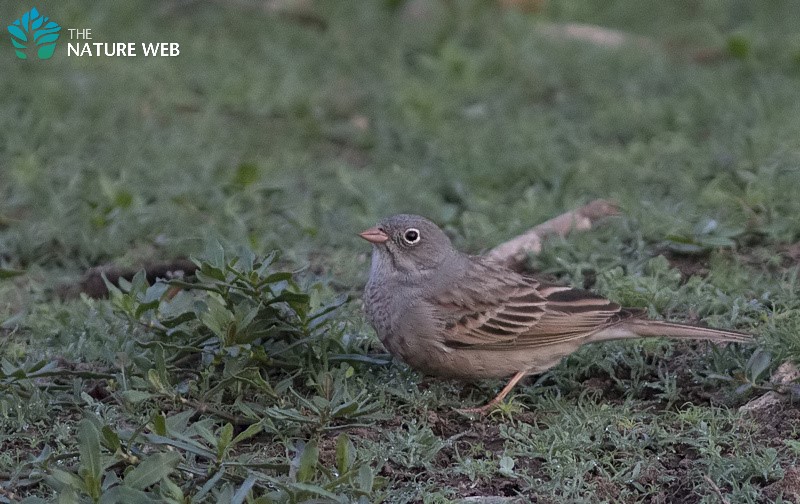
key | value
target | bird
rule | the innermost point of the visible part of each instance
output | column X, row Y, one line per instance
column 453, row 315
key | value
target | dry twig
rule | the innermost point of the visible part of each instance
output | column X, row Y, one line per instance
column 515, row 251
column 94, row 286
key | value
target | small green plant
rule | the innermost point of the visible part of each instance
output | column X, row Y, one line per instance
column 96, row 480
column 238, row 306
column 708, row 234
column 241, row 353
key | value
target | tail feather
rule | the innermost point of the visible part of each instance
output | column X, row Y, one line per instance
column 642, row 328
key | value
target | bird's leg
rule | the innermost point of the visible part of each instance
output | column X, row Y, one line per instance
column 499, row 398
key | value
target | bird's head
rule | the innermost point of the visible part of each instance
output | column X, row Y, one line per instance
column 408, row 244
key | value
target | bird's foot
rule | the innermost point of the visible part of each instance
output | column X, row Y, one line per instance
column 488, row 407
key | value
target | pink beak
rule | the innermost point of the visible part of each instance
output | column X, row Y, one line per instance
column 374, row 235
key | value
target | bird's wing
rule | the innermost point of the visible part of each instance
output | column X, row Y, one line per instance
column 492, row 307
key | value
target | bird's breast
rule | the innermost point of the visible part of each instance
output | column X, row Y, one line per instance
column 378, row 307
column 396, row 314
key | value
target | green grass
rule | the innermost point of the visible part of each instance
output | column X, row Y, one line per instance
column 272, row 133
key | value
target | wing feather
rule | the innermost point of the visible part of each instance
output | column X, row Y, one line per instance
column 491, row 307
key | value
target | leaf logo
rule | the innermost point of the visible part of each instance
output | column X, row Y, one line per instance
column 34, row 30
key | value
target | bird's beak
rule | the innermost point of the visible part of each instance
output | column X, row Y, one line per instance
column 374, row 235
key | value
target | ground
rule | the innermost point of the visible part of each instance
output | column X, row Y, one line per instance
column 292, row 125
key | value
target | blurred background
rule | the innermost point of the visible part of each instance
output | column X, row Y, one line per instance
column 293, row 124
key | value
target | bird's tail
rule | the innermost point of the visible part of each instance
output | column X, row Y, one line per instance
column 642, row 328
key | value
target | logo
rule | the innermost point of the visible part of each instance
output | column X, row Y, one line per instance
column 34, row 31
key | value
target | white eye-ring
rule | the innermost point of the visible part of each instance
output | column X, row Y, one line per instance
column 411, row 236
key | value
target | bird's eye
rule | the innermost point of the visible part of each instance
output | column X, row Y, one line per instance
column 411, row 236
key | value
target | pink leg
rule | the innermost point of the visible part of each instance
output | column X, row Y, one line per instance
column 497, row 400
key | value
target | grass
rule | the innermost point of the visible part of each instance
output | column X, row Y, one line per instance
column 293, row 130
